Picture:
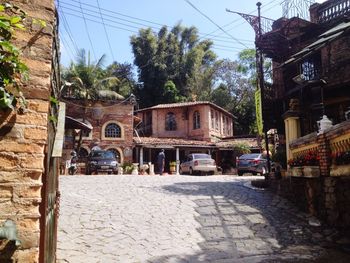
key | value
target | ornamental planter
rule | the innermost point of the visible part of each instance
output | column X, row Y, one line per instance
column 340, row 170
column 311, row 171
column 297, row 171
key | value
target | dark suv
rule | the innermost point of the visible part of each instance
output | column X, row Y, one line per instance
column 251, row 163
column 101, row 161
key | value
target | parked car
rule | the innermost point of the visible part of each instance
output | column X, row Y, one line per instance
column 101, row 161
column 251, row 163
column 198, row 163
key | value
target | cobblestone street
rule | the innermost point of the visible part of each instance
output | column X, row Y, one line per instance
column 183, row 219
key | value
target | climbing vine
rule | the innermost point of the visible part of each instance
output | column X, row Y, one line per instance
column 12, row 69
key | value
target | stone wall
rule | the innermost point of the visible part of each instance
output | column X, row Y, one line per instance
column 23, row 137
column 326, row 196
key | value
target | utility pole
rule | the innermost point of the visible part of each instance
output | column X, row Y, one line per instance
column 256, row 23
column 260, row 71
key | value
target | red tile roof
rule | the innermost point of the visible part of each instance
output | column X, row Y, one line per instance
column 185, row 104
column 170, row 142
column 153, row 141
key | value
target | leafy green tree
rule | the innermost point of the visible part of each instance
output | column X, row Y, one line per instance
column 178, row 56
column 87, row 80
column 236, row 94
column 124, row 73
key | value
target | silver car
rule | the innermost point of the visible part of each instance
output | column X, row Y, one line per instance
column 251, row 163
column 198, row 163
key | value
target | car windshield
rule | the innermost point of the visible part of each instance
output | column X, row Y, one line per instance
column 102, row 154
column 250, row 156
column 201, row 156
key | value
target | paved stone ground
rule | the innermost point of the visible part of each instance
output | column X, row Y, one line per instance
column 183, row 219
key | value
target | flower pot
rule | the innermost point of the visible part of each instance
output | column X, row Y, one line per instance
column 311, row 171
column 297, row 171
column 172, row 169
column 340, row 170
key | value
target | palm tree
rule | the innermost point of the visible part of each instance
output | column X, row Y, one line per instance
column 86, row 80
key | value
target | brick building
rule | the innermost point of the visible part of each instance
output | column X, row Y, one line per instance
column 28, row 177
column 310, row 82
column 111, row 123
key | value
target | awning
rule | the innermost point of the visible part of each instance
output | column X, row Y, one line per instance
column 321, row 41
column 72, row 123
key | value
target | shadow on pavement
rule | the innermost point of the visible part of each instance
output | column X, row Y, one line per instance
column 240, row 224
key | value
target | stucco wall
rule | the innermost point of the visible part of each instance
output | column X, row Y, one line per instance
column 184, row 123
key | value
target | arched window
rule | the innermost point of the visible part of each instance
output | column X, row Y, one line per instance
column 83, row 153
column 196, row 120
column 113, row 130
column 170, row 122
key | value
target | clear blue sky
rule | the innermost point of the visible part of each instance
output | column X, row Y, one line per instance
column 123, row 18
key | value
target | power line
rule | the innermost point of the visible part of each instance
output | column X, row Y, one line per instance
column 87, row 17
column 215, row 24
column 91, row 12
column 66, row 47
column 69, row 33
column 104, row 27
column 240, row 18
column 87, row 31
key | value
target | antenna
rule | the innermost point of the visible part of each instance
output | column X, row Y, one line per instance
column 297, row 8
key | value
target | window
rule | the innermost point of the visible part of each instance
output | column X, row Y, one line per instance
column 196, row 120
column 311, row 68
column 212, row 119
column 112, row 130
column 217, row 126
column 170, row 122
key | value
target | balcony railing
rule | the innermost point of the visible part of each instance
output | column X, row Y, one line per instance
column 333, row 9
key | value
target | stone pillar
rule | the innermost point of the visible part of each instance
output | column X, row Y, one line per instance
column 324, row 151
column 141, row 156
column 292, row 128
column 177, row 161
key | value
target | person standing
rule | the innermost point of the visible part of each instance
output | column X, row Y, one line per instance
column 161, row 161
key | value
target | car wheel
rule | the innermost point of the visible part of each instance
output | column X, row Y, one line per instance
column 240, row 173
column 180, row 170
column 88, row 172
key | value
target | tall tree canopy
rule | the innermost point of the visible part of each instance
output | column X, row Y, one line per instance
column 235, row 93
column 178, row 56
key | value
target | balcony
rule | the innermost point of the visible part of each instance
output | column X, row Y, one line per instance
column 329, row 10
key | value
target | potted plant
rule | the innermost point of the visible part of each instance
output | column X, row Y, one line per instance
column 172, row 167
column 296, row 166
column 340, row 164
column 311, row 164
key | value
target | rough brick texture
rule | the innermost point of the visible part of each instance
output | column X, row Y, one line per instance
column 119, row 112
column 23, row 137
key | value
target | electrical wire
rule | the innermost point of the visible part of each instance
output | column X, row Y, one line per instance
column 114, row 17
column 87, row 32
column 87, row 17
column 237, row 20
column 104, row 27
column 223, row 30
column 69, row 32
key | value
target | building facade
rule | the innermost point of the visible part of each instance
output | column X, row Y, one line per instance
column 190, row 120
column 310, row 82
column 111, row 125
column 181, row 129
